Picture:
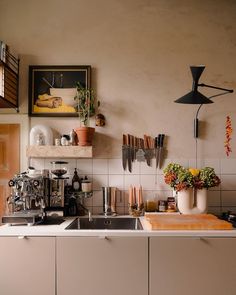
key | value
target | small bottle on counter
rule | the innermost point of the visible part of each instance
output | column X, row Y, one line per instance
column 171, row 204
column 162, row 206
column 76, row 183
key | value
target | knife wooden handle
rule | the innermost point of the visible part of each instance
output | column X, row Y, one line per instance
column 128, row 139
column 131, row 140
column 162, row 140
column 145, row 141
column 124, row 139
column 150, row 142
column 142, row 143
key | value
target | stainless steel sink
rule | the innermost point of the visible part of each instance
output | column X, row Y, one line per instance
column 114, row 223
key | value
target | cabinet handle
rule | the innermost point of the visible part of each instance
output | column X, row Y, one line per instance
column 21, row 237
column 103, row 237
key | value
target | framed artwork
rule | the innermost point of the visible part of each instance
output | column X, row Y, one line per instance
column 52, row 89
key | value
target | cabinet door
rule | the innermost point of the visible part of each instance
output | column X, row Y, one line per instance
column 192, row 266
column 27, row 266
column 90, row 265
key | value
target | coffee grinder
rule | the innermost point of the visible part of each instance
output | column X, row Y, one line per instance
column 57, row 187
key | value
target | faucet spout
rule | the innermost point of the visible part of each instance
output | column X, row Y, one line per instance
column 88, row 211
column 90, row 216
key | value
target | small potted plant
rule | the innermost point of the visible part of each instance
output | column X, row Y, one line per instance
column 86, row 106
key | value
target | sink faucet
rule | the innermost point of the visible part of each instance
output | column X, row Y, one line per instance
column 90, row 216
column 88, row 211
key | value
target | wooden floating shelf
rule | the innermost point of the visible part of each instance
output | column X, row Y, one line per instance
column 47, row 151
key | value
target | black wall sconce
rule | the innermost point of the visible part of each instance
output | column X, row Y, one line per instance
column 195, row 97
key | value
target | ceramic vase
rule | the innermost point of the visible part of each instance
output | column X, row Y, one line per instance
column 192, row 201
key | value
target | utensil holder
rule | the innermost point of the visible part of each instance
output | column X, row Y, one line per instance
column 136, row 210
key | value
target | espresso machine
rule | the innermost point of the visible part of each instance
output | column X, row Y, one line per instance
column 26, row 202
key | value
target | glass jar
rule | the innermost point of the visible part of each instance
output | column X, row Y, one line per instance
column 150, row 205
column 59, row 168
column 86, row 185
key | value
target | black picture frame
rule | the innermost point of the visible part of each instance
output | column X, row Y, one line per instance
column 52, row 89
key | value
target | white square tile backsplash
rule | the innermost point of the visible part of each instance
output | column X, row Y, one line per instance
column 228, row 166
column 131, row 180
column 117, row 181
column 100, row 166
column 85, row 166
column 99, row 181
column 115, row 166
column 109, row 172
column 228, row 198
column 148, row 182
column 228, row 182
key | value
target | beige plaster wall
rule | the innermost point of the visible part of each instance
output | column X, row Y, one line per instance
column 140, row 51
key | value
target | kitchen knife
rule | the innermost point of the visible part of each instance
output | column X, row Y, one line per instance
column 132, row 147
column 124, row 152
column 157, row 148
column 135, row 147
column 150, row 142
column 140, row 154
column 161, row 143
column 129, row 153
column 147, row 150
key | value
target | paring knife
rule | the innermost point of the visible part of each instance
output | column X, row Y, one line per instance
column 129, row 149
column 147, row 150
column 157, row 148
column 124, row 152
column 161, row 143
column 132, row 147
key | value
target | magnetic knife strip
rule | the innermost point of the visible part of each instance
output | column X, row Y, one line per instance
column 142, row 150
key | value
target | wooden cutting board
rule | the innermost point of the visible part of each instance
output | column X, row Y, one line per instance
column 186, row 222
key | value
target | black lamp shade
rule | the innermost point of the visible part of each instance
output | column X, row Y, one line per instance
column 195, row 97
column 196, row 72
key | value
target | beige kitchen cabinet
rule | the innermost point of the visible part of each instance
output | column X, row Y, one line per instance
column 195, row 266
column 27, row 265
column 93, row 265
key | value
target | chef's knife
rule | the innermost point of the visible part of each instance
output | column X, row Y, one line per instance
column 135, row 147
column 157, row 148
column 124, row 152
column 162, row 136
column 147, row 150
column 129, row 149
column 132, row 148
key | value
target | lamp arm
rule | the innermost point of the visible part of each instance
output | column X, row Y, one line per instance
column 219, row 88
column 196, row 122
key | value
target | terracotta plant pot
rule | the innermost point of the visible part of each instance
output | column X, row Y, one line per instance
column 85, row 135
